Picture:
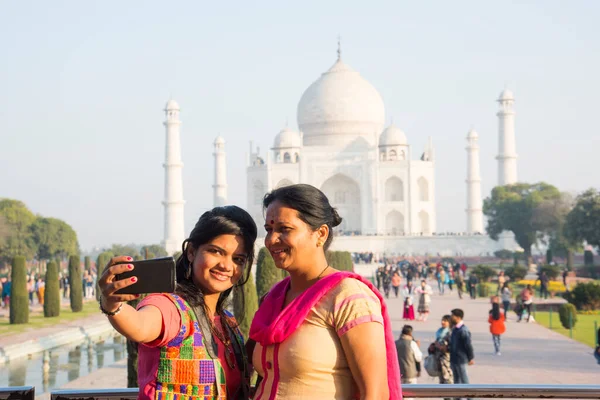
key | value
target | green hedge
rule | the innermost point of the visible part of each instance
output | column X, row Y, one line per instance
column 552, row 271
column 516, row 273
column 563, row 312
column 19, row 298
column 52, row 293
column 341, row 260
column 267, row 274
column 245, row 304
column 75, row 281
column 585, row 296
column 484, row 273
column 102, row 260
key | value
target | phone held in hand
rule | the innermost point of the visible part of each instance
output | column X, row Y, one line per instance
column 153, row 276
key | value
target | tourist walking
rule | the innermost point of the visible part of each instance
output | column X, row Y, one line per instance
column 396, row 281
column 506, row 296
column 461, row 347
column 526, row 297
column 409, row 310
column 6, row 287
column 424, row 292
column 314, row 328
column 473, row 286
column 441, row 280
column 501, row 281
column 40, row 288
column 441, row 350
column 544, row 281
column 189, row 342
column 497, row 327
column 460, row 284
column 410, row 356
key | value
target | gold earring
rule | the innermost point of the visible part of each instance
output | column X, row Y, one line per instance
column 319, row 244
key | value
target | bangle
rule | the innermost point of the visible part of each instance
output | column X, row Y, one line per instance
column 110, row 313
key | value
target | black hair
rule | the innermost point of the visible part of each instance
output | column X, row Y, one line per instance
column 495, row 311
column 457, row 312
column 407, row 330
column 311, row 204
column 447, row 318
column 228, row 220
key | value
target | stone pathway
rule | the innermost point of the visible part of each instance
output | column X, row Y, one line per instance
column 531, row 354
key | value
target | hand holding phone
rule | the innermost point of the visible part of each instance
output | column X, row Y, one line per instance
column 153, row 276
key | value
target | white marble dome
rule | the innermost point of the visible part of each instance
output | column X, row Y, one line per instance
column 339, row 107
column 287, row 138
column 506, row 95
column 172, row 105
column 392, row 136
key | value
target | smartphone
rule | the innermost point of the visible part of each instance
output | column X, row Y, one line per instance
column 153, row 276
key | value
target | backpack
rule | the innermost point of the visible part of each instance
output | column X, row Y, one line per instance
column 431, row 365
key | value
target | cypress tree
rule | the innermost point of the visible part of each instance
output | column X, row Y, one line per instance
column 75, row 281
column 87, row 262
column 101, row 262
column 347, row 261
column 19, row 298
column 267, row 274
column 245, row 304
column 52, row 293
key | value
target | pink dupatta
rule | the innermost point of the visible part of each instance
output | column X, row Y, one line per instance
column 271, row 325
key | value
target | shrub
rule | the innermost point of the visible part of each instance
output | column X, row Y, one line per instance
column 52, row 293
column 503, row 254
column 75, row 281
column 267, row 274
column 245, row 304
column 19, row 298
column 516, row 273
column 568, row 315
column 341, row 260
column 552, row 271
column 87, row 262
column 588, row 257
column 483, row 290
column 484, row 273
column 103, row 259
column 585, row 296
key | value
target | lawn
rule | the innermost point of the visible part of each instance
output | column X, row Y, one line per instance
column 37, row 320
column 582, row 332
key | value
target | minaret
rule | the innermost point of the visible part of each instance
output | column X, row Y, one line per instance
column 174, row 230
column 220, row 186
column 507, row 155
column 474, row 205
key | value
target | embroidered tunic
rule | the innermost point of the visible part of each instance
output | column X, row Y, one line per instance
column 184, row 369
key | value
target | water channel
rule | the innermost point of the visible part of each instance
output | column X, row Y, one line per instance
column 56, row 367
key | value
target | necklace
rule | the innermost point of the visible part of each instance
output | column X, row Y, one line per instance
column 322, row 272
column 222, row 336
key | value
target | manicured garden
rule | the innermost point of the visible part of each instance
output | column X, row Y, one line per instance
column 583, row 331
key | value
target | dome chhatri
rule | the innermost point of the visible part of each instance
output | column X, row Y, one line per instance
column 340, row 107
column 506, row 94
column 287, row 138
column 172, row 105
column 392, row 136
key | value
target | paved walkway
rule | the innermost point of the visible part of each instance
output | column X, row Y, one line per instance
column 531, row 354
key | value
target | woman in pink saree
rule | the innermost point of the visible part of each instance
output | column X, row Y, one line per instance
column 319, row 333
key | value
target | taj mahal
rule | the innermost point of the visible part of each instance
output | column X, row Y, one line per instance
column 383, row 188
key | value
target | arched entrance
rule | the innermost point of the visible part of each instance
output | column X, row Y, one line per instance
column 394, row 223
column 344, row 194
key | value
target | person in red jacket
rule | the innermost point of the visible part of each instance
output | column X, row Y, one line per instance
column 497, row 326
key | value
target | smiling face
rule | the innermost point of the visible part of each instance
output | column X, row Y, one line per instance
column 445, row 323
column 219, row 264
column 293, row 244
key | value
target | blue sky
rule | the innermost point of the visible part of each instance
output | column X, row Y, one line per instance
column 83, row 85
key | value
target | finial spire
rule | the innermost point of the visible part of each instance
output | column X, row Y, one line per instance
column 339, row 49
